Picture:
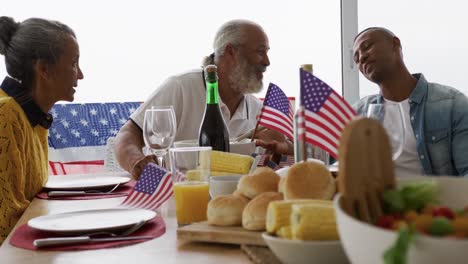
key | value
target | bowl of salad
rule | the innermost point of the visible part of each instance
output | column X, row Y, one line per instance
column 425, row 221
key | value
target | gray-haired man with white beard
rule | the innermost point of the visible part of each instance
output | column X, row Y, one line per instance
column 241, row 55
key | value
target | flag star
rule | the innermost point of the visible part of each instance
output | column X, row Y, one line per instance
column 83, row 141
column 95, row 132
column 122, row 120
column 84, row 122
column 114, row 131
column 54, row 113
column 93, row 112
column 58, row 136
column 64, row 140
column 103, row 122
column 73, row 112
column 75, row 133
column 65, row 123
column 113, row 111
column 131, row 110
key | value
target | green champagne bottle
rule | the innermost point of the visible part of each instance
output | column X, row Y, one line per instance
column 213, row 130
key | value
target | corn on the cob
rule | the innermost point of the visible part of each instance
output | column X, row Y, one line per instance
column 284, row 232
column 219, row 173
column 230, row 163
column 313, row 222
column 279, row 212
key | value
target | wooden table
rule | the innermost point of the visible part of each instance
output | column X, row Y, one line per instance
column 165, row 249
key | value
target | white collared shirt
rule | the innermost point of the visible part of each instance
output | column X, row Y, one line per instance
column 186, row 93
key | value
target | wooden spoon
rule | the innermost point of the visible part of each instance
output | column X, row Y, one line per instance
column 366, row 168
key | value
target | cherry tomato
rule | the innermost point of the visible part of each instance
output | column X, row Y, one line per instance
column 386, row 221
column 443, row 212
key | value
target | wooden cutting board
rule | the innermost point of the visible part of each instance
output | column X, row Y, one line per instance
column 217, row 234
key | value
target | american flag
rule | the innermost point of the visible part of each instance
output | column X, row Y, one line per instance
column 277, row 112
column 78, row 135
column 153, row 188
column 325, row 113
column 265, row 161
column 286, row 160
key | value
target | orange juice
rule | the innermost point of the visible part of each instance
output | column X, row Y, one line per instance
column 191, row 201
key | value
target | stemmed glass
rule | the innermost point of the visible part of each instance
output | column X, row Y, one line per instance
column 391, row 117
column 159, row 129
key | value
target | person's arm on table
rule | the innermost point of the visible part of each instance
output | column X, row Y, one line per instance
column 128, row 149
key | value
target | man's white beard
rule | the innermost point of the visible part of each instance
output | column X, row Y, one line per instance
column 244, row 79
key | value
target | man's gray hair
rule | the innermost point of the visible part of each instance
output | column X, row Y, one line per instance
column 33, row 39
column 232, row 32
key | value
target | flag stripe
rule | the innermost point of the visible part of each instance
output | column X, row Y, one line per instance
column 275, row 126
column 323, row 121
column 317, row 141
column 160, row 192
column 326, row 114
column 277, row 112
column 153, row 188
column 339, row 109
column 272, row 112
column 332, row 138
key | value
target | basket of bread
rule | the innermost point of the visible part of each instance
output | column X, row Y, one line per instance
column 295, row 210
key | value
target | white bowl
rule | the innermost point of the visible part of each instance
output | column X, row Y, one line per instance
column 305, row 252
column 366, row 243
column 224, row 184
column 244, row 147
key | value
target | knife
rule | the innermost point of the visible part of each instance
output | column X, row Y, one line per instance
column 80, row 193
column 60, row 241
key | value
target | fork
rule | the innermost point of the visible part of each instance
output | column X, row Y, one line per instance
column 77, row 193
column 88, row 238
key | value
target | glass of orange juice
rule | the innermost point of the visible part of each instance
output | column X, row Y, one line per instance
column 190, row 173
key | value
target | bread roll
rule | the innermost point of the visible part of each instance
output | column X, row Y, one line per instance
column 310, row 180
column 226, row 210
column 239, row 193
column 254, row 215
column 264, row 179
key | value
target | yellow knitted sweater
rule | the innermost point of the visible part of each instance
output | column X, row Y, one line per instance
column 23, row 162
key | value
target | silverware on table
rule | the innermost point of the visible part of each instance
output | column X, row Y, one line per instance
column 60, row 241
column 79, row 193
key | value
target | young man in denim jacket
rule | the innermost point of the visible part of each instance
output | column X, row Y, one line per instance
column 436, row 116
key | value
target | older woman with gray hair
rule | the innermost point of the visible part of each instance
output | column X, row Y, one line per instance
column 41, row 58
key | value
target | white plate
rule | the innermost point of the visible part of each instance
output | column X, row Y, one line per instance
column 86, row 181
column 91, row 220
column 304, row 252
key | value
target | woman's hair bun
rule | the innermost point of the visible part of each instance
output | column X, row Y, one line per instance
column 8, row 27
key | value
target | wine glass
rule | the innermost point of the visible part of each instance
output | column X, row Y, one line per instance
column 159, row 129
column 391, row 117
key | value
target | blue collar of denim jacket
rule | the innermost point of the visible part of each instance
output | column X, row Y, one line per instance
column 420, row 90
column 416, row 95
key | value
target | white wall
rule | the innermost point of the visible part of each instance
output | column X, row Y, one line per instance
column 129, row 47
column 433, row 34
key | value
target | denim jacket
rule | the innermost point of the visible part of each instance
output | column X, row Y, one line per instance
column 439, row 118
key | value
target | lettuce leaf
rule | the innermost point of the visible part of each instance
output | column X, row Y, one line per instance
column 411, row 196
column 397, row 254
